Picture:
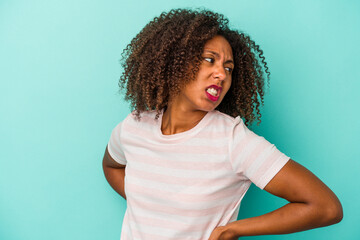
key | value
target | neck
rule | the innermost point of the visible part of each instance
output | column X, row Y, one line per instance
column 177, row 119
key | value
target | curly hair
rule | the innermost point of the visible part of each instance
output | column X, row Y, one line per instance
column 166, row 54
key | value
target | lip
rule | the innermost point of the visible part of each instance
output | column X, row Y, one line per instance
column 216, row 87
column 212, row 98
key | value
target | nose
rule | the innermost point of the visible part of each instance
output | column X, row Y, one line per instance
column 219, row 72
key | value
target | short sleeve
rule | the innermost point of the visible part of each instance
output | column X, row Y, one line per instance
column 115, row 148
column 253, row 156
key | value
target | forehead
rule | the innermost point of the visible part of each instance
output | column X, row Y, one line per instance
column 220, row 45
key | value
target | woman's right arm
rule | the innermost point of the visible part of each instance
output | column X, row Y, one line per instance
column 114, row 173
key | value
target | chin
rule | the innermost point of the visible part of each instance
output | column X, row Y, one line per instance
column 209, row 109
column 210, row 106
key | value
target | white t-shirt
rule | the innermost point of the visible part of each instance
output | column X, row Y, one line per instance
column 182, row 186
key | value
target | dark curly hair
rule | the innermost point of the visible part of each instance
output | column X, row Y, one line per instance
column 167, row 53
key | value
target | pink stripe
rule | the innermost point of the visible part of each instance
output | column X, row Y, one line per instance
column 135, row 203
column 140, row 235
column 239, row 147
column 144, row 133
column 180, row 165
column 178, row 226
column 168, row 224
column 176, row 148
column 212, row 135
column 231, row 192
column 115, row 146
column 251, row 157
column 220, row 124
column 182, row 181
column 115, row 137
column 266, row 166
column 125, row 225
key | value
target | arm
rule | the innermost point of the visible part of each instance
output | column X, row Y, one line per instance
column 312, row 204
column 114, row 173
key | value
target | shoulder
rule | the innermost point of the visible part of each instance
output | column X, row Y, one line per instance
column 223, row 119
column 233, row 127
column 146, row 120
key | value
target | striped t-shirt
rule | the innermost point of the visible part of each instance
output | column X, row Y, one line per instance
column 182, row 186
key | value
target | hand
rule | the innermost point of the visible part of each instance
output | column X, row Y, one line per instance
column 222, row 233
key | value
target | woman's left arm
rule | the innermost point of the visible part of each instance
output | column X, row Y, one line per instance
column 312, row 204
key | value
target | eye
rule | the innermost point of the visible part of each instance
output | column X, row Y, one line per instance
column 209, row 59
column 229, row 69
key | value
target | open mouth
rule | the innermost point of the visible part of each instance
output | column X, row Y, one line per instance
column 213, row 92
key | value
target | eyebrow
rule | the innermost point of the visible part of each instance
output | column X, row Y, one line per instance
column 217, row 55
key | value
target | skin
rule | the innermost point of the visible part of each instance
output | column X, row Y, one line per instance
column 311, row 203
column 114, row 173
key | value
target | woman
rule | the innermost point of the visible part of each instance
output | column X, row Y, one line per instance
column 183, row 159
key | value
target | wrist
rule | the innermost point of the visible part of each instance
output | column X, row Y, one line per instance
column 230, row 231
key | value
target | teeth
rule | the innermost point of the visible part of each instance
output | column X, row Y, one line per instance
column 212, row 91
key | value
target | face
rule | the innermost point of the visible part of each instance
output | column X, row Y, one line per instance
column 213, row 79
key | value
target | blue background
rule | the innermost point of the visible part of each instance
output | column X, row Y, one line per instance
column 59, row 68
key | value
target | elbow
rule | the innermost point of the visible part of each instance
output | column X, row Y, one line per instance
column 333, row 213
column 337, row 214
